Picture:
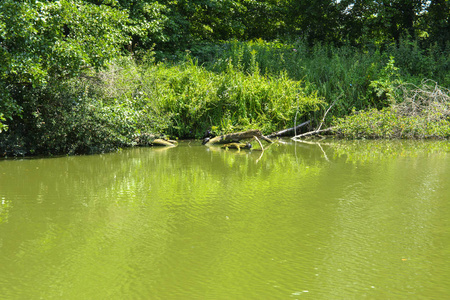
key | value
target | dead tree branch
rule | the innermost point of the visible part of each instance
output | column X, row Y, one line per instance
column 289, row 131
column 318, row 130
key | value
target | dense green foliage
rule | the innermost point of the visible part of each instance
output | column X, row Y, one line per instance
column 48, row 40
column 60, row 59
column 120, row 106
column 197, row 99
column 358, row 79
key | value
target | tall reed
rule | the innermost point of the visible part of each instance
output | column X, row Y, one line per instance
column 349, row 75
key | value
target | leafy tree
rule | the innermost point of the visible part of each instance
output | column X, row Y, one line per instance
column 316, row 20
column 264, row 19
column 399, row 17
column 147, row 20
column 202, row 20
column 438, row 21
column 382, row 21
column 45, row 40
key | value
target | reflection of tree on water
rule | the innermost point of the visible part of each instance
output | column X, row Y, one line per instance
column 5, row 204
column 365, row 151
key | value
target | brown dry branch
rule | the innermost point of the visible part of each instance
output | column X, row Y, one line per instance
column 289, row 131
column 314, row 132
column 429, row 99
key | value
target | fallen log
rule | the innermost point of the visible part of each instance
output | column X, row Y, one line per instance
column 167, row 143
column 236, row 137
column 290, row 131
column 237, row 146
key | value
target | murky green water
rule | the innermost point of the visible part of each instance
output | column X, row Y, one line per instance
column 345, row 220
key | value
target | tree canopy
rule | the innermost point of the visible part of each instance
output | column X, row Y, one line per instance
column 43, row 40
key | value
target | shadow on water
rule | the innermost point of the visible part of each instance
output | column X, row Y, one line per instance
column 340, row 220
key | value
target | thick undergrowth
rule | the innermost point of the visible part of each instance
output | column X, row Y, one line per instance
column 122, row 105
column 423, row 113
column 230, row 87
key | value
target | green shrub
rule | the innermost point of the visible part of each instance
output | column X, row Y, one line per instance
column 343, row 73
column 198, row 99
column 389, row 123
column 358, row 78
column 382, row 91
column 78, row 116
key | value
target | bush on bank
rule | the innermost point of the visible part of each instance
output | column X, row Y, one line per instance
column 388, row 124
column 424, row 112
column 357, row 78
column 232, row 100
column 75, row 117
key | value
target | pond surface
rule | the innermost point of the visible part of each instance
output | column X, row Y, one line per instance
column 340, row 220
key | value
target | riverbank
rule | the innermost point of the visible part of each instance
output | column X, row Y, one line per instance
column 235, row 86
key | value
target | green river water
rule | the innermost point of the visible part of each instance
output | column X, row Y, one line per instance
column 340, row 220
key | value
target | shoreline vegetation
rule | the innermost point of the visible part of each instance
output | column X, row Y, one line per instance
column 59, row 95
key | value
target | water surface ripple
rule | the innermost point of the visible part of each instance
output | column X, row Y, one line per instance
column 343, row 220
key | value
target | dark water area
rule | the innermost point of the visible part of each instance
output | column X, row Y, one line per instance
column 337, row 220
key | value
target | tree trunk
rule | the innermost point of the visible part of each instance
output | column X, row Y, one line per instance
column 290, row 131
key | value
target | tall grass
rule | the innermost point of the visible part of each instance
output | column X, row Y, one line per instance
column 356, row 78
column 334, row 73
column 197, row 99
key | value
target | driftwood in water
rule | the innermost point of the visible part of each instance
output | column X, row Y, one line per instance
column 236, row 137
column 167, row 143
column 147, row 139
column 238, row 146
column 290, row 131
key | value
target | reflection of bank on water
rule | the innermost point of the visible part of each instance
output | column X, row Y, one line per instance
column 345, row 220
